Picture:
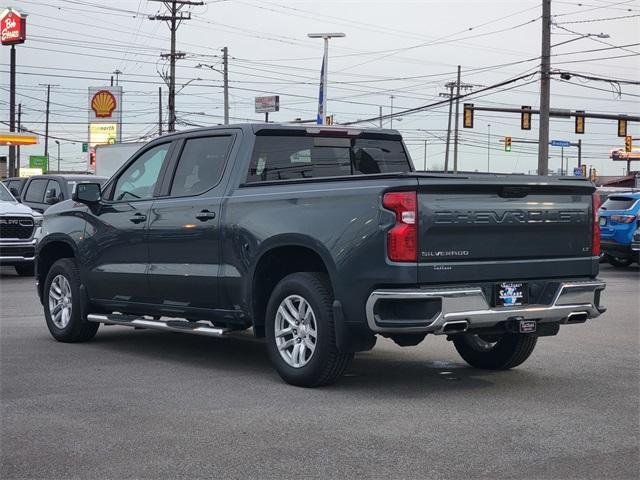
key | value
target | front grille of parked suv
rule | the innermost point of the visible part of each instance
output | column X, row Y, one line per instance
column 16, row 227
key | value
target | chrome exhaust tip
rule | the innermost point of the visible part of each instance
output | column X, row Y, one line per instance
column 577, row 317
column 459, row 326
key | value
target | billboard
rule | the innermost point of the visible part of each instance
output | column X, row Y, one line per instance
column 39, row 161
column 267, row 104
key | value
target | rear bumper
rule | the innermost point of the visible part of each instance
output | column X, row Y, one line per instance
column 616, row 249
column 13, row 253
column 467, row 308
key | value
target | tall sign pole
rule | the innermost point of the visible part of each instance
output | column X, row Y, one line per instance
column 13, row 31
column 322, row 110
column 545, row 92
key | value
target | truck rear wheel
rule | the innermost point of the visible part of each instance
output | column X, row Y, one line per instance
column 300, row 331
column 496, row 352
column 63, row 306
column 620, row 262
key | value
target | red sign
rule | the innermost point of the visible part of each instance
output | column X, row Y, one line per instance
column 13, row 27
column 103, row 103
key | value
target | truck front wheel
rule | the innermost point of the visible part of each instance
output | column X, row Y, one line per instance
column 62, row 304
column 300, row 331
column 496, row 352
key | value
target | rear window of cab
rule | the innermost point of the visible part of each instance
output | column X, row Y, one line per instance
column 619, row 203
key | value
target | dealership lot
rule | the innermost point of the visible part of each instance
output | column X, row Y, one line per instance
column 148, row 404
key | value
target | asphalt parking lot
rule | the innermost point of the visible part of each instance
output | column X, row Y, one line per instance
column 145, row 404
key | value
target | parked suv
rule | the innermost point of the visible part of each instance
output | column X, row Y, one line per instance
column 619, row 218
column 18, row 226
column 42, row 191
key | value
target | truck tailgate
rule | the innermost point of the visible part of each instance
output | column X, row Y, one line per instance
column 493, row 228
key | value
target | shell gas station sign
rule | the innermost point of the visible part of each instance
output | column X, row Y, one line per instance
column 105, row 118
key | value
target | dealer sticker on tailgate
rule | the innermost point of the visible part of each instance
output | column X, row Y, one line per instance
column 511, row 293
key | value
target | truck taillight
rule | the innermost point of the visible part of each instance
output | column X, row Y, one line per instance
column 595, row 231
column 402, row 239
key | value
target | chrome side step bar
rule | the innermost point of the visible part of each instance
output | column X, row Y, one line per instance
column 183, row 326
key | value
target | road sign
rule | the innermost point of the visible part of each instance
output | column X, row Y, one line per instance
column 39, row 161
column 577, row 171
column 560, row 143
column 85, row 147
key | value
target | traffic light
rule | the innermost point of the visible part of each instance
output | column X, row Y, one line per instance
column 329, row 120
column 579, row 121
column 507, row 144
column 628, row 143
column 594, row 174
column 622, row 127
column 525, row 118
column 584, row 170
column 467, row 118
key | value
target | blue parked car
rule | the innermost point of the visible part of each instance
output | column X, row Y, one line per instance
column 619, row 217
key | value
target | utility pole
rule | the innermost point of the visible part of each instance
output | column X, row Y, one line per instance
column 455, row 140
column 579, row 153
column 380, row 110
column 449, row 94
column 17, row 167
column 46, row 120
column 425, row 155
column 225, row 81
column 174, row 19
column 159, row 110
column 391, row 125
column 489, row 148
column 457, row 85
column 545, row 92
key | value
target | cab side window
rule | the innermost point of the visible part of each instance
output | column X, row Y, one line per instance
column 139, row 180
column 200, row 165
column 35, row 190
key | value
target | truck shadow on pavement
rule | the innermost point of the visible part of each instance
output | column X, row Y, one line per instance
column 375, row 371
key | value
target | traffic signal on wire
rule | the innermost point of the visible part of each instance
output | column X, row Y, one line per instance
column 507, row 144
column 628, row 144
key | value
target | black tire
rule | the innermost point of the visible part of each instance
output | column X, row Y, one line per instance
column 508, row 351
column 620, row 262
column 25, row 269
column 78, row 329
column 326, row 364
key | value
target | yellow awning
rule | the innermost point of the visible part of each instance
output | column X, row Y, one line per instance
column 15, row 138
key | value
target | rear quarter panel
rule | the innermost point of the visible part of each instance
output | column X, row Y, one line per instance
column 342, row 221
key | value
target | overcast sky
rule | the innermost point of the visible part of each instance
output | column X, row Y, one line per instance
column 408, row 49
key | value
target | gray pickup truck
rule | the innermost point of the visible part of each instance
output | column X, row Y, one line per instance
column 18, row 227
column 320, row 239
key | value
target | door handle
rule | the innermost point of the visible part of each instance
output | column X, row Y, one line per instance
column 205, row 215
column 138, row 218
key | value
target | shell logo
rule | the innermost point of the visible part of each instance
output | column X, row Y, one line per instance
column 103, row 103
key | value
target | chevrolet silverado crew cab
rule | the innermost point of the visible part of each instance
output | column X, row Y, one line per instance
column 320, row 239
column 18, row 227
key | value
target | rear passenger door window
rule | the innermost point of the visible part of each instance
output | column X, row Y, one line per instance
column 200, row 165
column 35, row 190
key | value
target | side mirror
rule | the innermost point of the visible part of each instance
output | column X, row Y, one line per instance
column 87, row 193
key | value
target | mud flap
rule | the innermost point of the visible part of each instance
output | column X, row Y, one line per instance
column 347, row 340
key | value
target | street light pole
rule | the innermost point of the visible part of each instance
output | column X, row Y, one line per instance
column 488, row 148
column 325, row 70
column 425, row 155
column 58, row 144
